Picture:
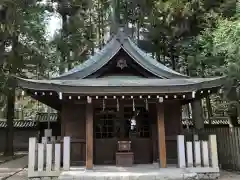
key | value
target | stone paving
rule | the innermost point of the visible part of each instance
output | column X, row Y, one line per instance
column 22, row 175
column 138, row 172
column 10, row 168
column 17, row 155
column 15, row 170
column 225, row 175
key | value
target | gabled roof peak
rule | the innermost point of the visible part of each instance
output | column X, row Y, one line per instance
column 119, row 41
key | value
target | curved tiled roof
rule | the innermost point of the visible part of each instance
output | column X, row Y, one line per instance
column 164, row 80
column 93, row 63
column 154, row 66
column 118, row 42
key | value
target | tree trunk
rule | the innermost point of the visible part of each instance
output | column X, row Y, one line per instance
column 63, row 51
column 187, row 68
column 13, row 69
column 91, row 33
column 138, row 30
column 172, row 56
column 103, row 30
column 158, row 56
column 10, row 117
column 164, row 50
column 99, row 26
column 2, row 49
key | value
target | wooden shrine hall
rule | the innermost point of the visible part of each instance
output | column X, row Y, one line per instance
column 121, row 106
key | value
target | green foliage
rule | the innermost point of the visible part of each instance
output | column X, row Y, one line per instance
column 197, row 37
column 226, row 39
column 23, row 48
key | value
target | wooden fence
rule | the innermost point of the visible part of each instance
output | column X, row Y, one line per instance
column 45, row 158
column 228, row 141
column 228, row 145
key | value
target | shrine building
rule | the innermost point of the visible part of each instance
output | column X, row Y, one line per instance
column 121, row 106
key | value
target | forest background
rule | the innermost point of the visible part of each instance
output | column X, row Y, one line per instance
column 200, row 38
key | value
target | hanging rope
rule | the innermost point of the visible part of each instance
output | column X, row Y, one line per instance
column 117, row 105
column 103, row 106
column 134, row 105
column 146, row 103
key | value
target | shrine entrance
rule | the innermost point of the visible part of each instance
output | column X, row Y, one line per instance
column 122, row 122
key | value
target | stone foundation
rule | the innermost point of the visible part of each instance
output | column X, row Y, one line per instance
column 138, row 172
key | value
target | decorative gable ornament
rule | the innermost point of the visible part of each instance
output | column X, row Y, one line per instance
column 122, row 63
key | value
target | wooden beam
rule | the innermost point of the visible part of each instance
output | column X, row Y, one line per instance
column 161, row 135
column 89, row 136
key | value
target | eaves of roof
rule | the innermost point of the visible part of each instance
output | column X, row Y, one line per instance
column 113, row 86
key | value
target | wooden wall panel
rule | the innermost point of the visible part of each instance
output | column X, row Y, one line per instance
column 154, row 135
column 142, row 149
column 105, row 151
column 172, row 129
column 74, row 125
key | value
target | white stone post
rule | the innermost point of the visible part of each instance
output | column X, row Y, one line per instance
column 66, row 153
column 197, row 153
column 205, row 154
column 189, row 154
column 40, row 156
column 181, row 151
column 32, row 154
column 213, row 151
column 57, row 157
column 49, row 158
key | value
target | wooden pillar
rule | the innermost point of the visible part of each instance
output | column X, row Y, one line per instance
column 161, row 135
column 197, row 114
column 89, row 134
